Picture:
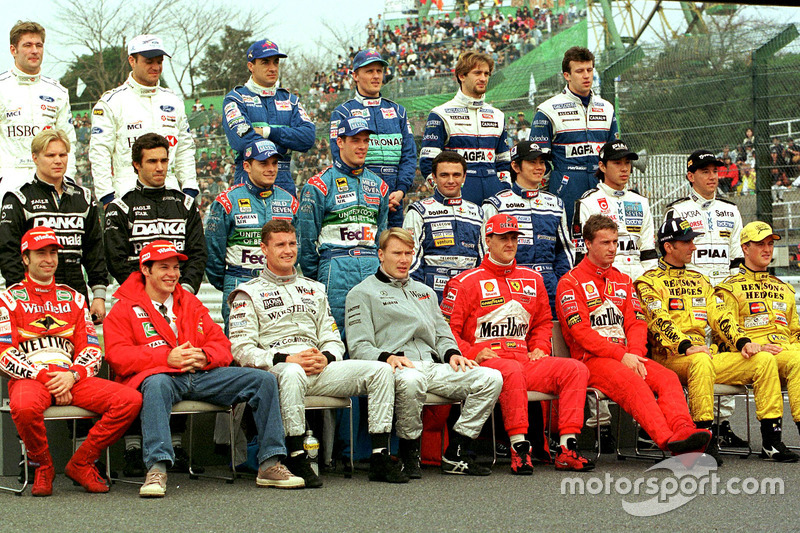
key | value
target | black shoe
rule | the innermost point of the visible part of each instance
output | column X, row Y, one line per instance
column 463, row 463
column 729, row 439
column 409, row 455
column 181, row 464
column 134, row 464
column 299, row 466
column 779, row 453
column 502, row 450
column 713, row 450
column 31, row 470
column 644, row 442
column 385, row 467
column 607, row 441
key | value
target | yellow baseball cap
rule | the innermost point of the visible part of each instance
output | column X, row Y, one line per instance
column 757, row 231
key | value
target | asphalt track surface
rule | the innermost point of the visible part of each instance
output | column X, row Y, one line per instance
column 501, row 502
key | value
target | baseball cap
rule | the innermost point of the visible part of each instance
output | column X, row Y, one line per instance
column 148, row 46
column 528, row 151
column 500, row 224
column 614, row 150
column 365, row 57
column 39, row 237
column 353, row 126
column 261, row 150
column 262, row 49
column 676, row 229
column 757, row 231
column 158, row 251
column 701, row 159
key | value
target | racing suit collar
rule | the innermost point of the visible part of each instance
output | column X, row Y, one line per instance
column 259, row 90
column 671, row 269
column 386, row 278
column 496, row 268
column 465, row 100
column 365, row 101
column 37, row 287
column 142, row 188
column 704, row 203
column 442, row 199
column 525, row 193
column 758, row 275
column 339, row 165
column 574, row 97
column 257, row 191
column 272, row 277
column 23, row 78
column 138, row 88
column 66, row 185
column 610, row 191
column 593, row 270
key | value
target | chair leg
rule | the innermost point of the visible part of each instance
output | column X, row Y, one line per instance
column 232, row 430
column 494, row 440
column 352, row 452
column 192, row 475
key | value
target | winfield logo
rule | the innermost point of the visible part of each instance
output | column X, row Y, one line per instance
column 686, row 477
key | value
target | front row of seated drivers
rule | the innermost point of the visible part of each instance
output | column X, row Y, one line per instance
column 163, row 347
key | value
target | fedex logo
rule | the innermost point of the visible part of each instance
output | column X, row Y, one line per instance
column 365, row 233
column 250, row 258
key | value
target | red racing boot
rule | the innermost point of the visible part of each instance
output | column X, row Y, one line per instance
column 568, row 458
column 43, row 480
column 82, row 470
column 688, row 439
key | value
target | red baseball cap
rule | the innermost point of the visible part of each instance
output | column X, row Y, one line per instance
column 502, row 223
column 38, row 238
column 160, row 250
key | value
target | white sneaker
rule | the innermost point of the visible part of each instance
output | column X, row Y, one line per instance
column 155, row 485
column 279, row 477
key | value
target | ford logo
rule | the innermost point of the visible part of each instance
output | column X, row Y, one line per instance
column 46, row 98
column 167, row 108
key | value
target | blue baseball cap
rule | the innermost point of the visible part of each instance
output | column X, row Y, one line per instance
column 261, row 150
column 353, row 126
column 262, row 49
column 365, row 57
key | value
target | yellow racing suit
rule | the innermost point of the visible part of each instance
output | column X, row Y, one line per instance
column 678, row 304
column 765, row 307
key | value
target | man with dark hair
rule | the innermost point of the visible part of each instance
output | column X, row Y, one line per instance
column 603, row 325
column 236, row 217
column 29, row 103
column 50, row 350
column 395, row 319
column 282, row 323
column 392, row 152
column 139, row 106
column 153, row 211
column 446, row 227
column 473, row 128
column 574, row 125
column 161, row 340
column 260, row 109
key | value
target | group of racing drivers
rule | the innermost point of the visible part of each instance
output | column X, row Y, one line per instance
column 334, row 292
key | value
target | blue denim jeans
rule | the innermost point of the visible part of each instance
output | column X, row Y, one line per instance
column 221, row 386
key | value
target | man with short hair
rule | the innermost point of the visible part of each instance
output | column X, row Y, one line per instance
column 544, row 244
column 574, row 125
column 140, row 106
column 473, row 128
column 343, row 211
column 29, row 103
column 631, row 211
column 392, row 153
column 395, row 319
column 161, row 340
column 603, row 325
column 679, row 305
column 235, row 219
column 499, row 314
column 765, row 307
column 56, row 201
column 282, row 323
column 154, row 211
column 446, row 227
column 50, row 350
column 260, row 109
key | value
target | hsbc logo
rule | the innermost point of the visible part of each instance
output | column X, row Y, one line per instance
column 173, row 141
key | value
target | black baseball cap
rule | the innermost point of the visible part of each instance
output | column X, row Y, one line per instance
column 528, row 151
column 701, row 159
column 676, row 229
column 613, row 150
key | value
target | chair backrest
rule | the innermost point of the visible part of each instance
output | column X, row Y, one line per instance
column 559, row 345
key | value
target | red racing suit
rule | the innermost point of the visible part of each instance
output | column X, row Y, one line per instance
column 602, row 320
column 44, row 329
column 506, row 308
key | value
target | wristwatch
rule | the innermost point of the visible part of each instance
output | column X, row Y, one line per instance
column 75, row 375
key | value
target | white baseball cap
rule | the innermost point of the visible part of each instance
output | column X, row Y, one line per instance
column 148, row 46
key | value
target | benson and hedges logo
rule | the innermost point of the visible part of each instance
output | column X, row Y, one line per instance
column 672, row 483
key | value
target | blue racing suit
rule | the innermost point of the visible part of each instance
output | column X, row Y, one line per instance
column 447, row 232
column 477, row 131
column 233, row 234
column 544, row 243
column 392, row 152
column 343, row 211
column 283, row 119
column 575, row 131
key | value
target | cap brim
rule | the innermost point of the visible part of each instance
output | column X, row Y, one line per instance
column 371, row 61
column 716, row 162
column 264, row 157
column 356, row 132
column 533, row 155
column 775, row 236
column 633, row 156
column 45, row 245
column 266, row 55
column 503, row 232
column 149, row 54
